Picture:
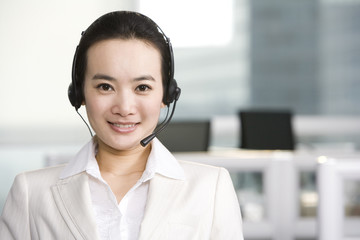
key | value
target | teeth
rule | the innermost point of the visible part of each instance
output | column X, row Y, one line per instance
column 124, row 125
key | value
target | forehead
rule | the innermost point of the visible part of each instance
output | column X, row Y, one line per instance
column 132, row 46
column 129, row 54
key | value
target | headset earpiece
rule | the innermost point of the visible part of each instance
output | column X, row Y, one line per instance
column 71, row 95
column 172, row 92
column 74, row 96
column 74, row 99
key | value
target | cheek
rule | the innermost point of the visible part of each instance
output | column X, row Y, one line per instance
column 91, row 110
column 91, row 106
column 94, row 106
column 152, row 108
column 93, row 102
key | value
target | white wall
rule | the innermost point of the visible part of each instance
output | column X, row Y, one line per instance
column 37, row 43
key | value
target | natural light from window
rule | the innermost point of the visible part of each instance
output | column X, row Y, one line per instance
column 189, row 23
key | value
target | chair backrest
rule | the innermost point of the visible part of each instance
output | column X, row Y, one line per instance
column 186, row 136
column 266, row 130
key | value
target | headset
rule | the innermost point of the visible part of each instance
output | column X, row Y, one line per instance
column 171, row 92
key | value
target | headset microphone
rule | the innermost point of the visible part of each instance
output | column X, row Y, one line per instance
column 148, row 139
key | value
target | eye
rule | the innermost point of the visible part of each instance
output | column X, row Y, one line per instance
column 143, row 88
column 104, row 87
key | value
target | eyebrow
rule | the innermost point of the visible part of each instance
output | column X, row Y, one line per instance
column 145, row 77
column 100, row 76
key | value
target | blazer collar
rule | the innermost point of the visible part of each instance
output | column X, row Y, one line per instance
column 72, row 197
column 161, row 195
column 164, row 186
column 80, row 162
column 163, row 162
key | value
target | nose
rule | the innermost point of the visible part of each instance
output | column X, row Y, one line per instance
column 123, row 104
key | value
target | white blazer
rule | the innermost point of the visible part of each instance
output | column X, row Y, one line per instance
column 204, row 206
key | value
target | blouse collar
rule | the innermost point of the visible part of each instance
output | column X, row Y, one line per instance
column 160, row 161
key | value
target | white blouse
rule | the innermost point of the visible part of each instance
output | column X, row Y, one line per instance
column 121, row 221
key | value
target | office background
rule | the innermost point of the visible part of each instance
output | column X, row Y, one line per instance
column 230, row 55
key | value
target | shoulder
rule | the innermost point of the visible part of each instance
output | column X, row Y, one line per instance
column 40, row 177
column 200, row 167
column 205, row 172
column 34, row 186
column 46, row 172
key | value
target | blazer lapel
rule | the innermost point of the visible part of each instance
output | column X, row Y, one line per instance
column 162, row 192
column 72, row 197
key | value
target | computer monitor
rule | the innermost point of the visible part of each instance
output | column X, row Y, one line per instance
column 266, row 130
column 186, row 136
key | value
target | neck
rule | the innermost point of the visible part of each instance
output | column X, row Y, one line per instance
column 122, row 162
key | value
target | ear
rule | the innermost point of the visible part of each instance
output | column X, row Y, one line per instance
column 163, row 105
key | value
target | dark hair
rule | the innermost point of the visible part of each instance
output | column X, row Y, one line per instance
column 122, row 25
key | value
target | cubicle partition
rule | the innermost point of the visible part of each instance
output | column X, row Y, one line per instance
column 339, row 198
column 277, row 190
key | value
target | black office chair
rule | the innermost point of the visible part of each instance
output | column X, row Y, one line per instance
column 186, row 136
column 266, row 130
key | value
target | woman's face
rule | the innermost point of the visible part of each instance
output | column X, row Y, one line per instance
column 123, row 91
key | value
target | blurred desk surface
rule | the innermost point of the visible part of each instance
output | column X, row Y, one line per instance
column 239, row 158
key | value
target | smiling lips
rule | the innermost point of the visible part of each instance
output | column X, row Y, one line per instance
column 123, row 127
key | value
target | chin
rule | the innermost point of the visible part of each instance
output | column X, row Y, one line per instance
column 118, row 144
column 124, row 144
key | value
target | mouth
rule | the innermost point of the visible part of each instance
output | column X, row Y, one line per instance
column 123, row 127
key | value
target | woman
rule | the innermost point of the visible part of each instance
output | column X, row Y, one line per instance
column 117, row 187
